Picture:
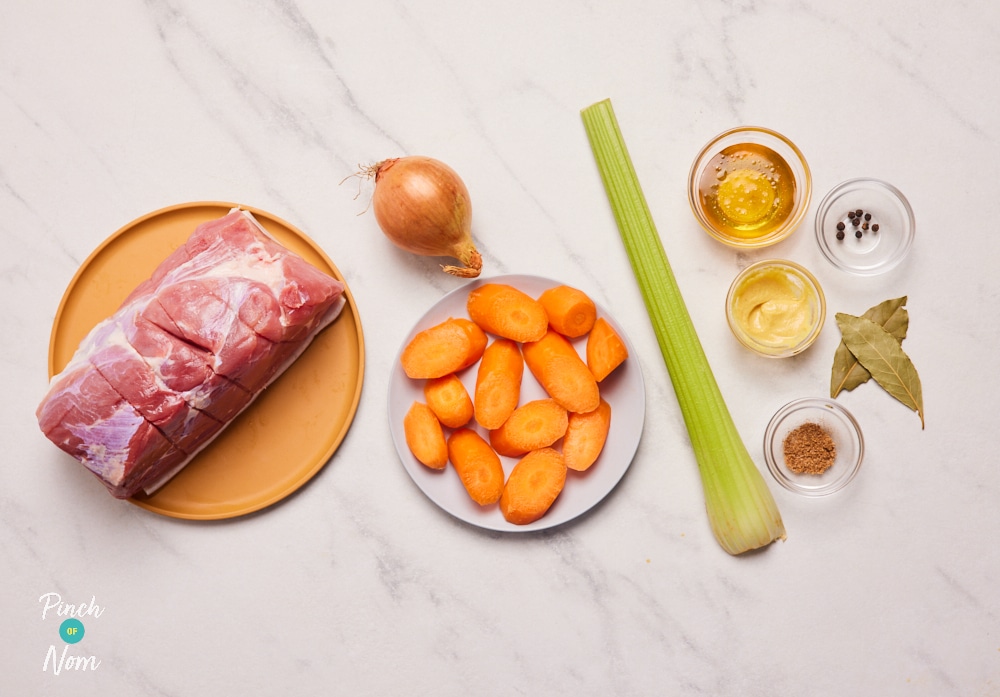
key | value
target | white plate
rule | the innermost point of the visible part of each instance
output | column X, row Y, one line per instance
column 623, row 390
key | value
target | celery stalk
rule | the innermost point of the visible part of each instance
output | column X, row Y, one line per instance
column 741, row 509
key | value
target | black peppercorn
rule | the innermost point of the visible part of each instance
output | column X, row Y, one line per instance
column 855, row 221
column 840, row 234
column 858, row 234
column 840, row 225
column 875, row 227
column 858, row 213
column 868, row 216
column 850, row 214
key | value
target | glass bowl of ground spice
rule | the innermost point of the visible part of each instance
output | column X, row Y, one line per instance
column 865, row 226
column 813, row 446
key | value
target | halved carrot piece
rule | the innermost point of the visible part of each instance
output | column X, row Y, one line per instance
column 502, row 446
column 449, row 400
column 444, row 348
column 561, row 372
column 533, row 486
column 477, row 465
column 425, row 437
column 536, row 424
column 504, row 310
column 498, row 383
column 586, row 435
column 605, row 350
column 571, row 312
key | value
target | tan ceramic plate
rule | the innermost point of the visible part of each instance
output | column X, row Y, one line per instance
column 289, row 433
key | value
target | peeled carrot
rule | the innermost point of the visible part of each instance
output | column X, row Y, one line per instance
column 424, row 436
column 571, row 312
column 503, row 310
column 477, row 465
column 502, row 446
column 536, row 424
column 605, row 350
column 498, row 383
column 585, row 437
column 444, row 348
column 559, row 369
column 449, row 400
column 533, row 486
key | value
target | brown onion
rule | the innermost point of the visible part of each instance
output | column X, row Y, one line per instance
column 422, row 205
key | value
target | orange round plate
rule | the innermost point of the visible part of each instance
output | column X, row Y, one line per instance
column 289, row 432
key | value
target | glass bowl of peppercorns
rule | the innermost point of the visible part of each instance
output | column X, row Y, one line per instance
column 865, row 226
column 813, row 446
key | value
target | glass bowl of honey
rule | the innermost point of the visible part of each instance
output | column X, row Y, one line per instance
column 749, row 187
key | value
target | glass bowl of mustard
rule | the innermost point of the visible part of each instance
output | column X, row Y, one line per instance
column 813, row 446
column 776, row 308
column 749, row 187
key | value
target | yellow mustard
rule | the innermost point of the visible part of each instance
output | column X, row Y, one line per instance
column 775, row 307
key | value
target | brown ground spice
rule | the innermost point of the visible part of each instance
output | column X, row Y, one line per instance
column 809, row 449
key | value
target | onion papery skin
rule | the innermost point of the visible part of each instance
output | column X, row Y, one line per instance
column 423, row 207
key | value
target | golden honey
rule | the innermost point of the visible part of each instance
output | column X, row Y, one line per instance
column 747, row 191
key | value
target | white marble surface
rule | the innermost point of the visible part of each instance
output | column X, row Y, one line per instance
column 358, row 585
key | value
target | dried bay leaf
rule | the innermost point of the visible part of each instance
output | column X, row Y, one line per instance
column 847, row 372
column 882, row 356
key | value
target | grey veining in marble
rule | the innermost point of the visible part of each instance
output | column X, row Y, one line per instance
column 358, row 584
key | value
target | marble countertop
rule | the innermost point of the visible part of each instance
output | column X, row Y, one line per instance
column 358, row 584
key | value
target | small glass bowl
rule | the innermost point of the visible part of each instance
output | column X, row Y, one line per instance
column 836, row 421
column 745, row 145
column 756, row 279
column 874, row 252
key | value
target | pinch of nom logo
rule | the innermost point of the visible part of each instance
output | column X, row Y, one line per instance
column 71, row 633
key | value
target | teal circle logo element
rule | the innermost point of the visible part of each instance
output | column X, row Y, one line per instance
column 71, row 630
